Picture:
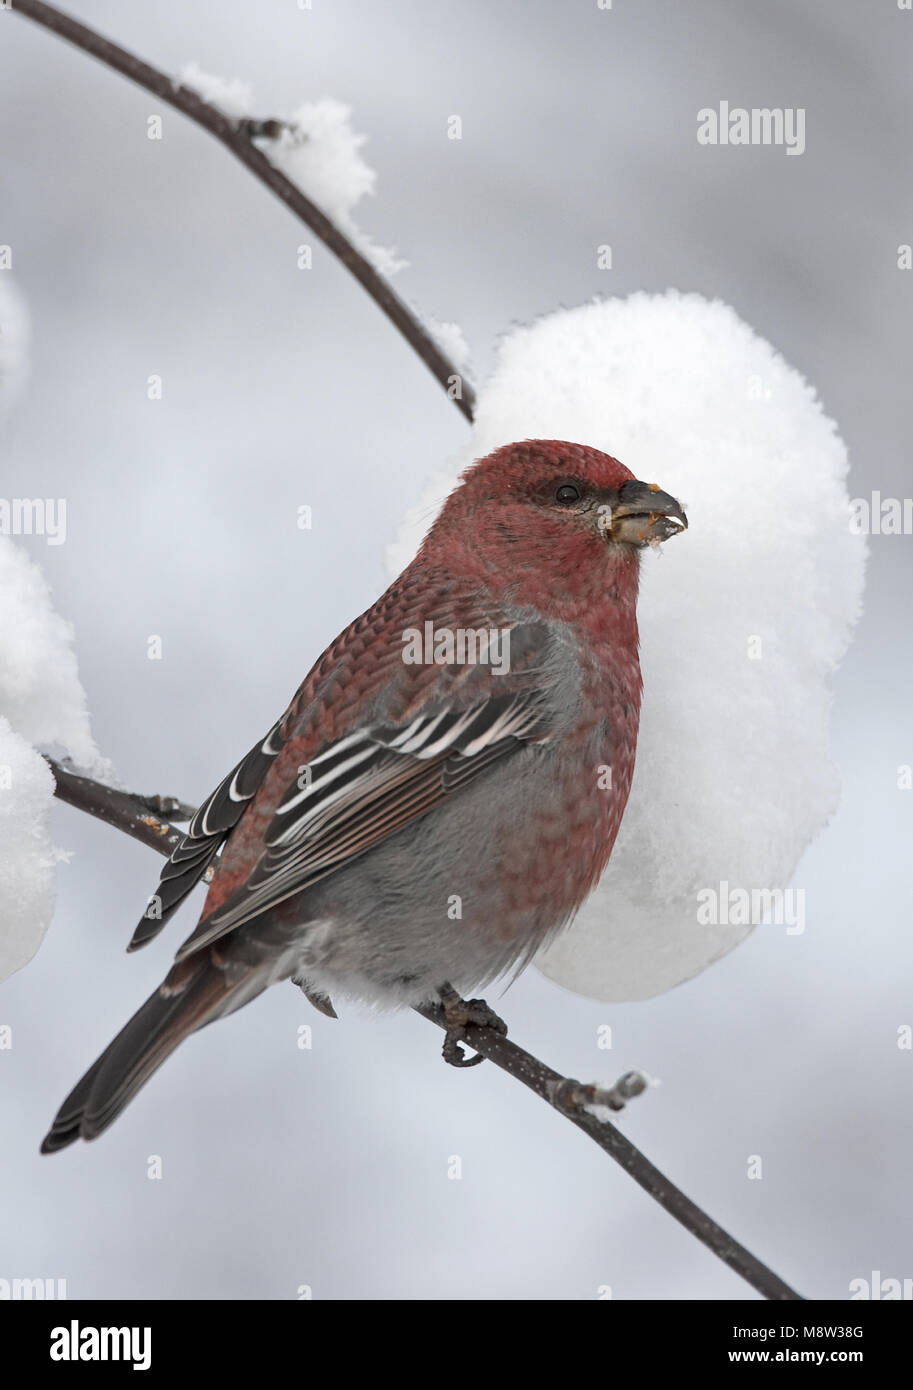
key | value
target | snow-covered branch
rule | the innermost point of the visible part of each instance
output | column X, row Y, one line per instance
column 236, row 133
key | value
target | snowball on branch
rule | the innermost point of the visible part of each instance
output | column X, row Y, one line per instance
column 742, row 622
column 42, row 703
column 317, row 148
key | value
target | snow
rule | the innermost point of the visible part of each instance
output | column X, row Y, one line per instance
column 40, row 692
column 733, row 775
column 451, row 340
column 319, row 150
column 232, row 96
column 41, row 703
column 27, row 856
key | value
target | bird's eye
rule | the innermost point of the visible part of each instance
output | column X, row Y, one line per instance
column 567, row 493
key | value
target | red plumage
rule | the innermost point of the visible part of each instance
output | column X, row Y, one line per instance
column 392, row 787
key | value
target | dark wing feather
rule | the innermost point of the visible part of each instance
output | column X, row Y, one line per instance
column 205, row 835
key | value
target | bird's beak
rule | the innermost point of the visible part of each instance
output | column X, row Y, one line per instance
column 644, row 515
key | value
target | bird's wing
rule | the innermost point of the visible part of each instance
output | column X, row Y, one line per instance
column 205, row 835
column 366, row 786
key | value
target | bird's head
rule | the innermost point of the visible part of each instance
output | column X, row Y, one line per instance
column 571, row 513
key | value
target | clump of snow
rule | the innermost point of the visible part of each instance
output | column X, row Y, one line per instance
column 317, row 149
column 742, row 619
column 41, row 703
column 321, row 152
column 451, row 340
column 40, row 691
column 231, row 94
column 27, row 856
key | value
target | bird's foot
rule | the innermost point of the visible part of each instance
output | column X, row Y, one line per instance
column 322, row 1002
column 459, row 1014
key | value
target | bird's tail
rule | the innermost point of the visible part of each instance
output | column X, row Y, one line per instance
column 194, row 993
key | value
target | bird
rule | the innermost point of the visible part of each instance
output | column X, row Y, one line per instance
column 445, row 787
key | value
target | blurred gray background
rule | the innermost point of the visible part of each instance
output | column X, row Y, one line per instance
column 328, row 1167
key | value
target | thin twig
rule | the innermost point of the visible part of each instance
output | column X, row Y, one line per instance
column 557, row 1090
column 236, row 136
column 567, row 1096
column 169, row 806
column 573, row 1096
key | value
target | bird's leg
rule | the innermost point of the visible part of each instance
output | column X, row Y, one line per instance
column 322, row 1002
column 458, row 1013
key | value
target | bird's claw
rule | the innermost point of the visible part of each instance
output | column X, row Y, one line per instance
column 459, row 1014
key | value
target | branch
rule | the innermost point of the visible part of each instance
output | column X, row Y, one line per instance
column 236, row 137
column 123, row 810
column 568, row 1097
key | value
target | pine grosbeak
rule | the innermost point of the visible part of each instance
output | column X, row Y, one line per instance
column 445, row 788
